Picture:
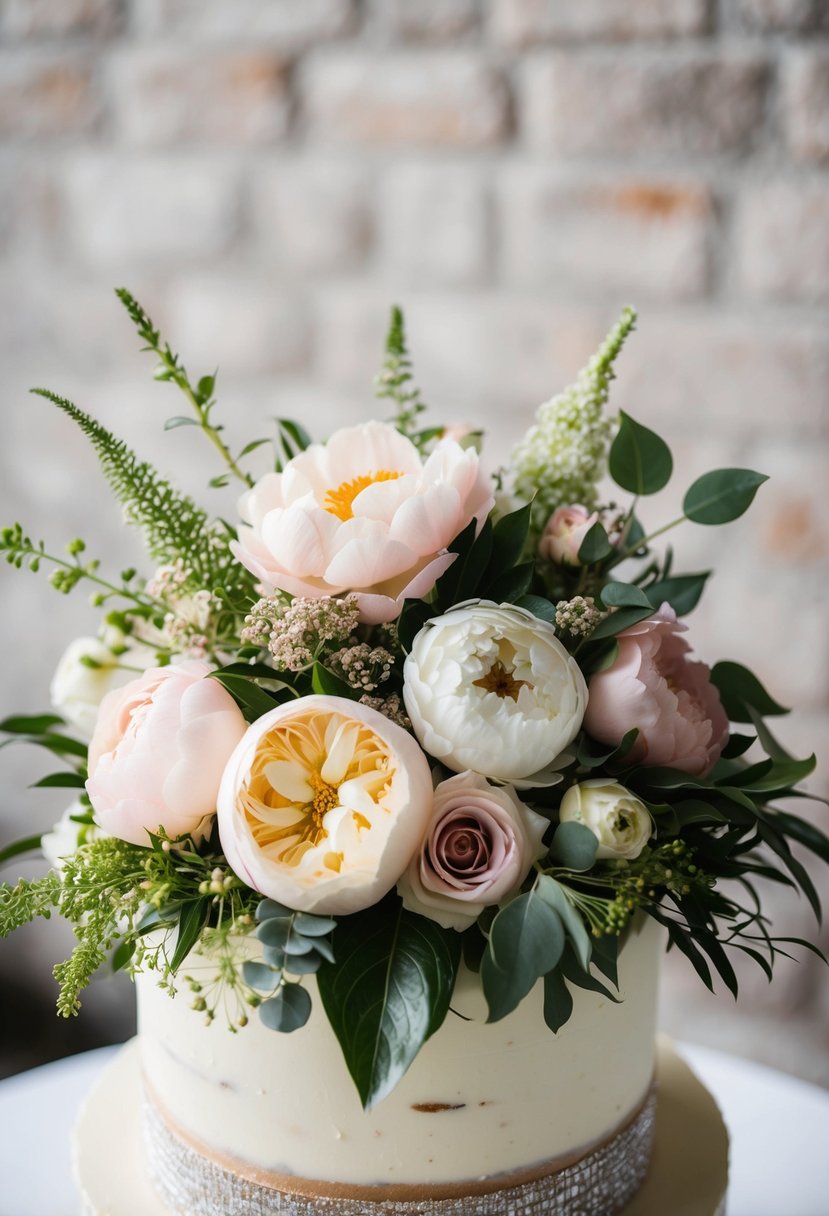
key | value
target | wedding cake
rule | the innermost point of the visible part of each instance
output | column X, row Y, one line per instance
column 404, row 778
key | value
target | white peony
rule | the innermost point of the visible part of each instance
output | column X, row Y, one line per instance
column 87, row 670
column 492, row 689
column 619, row 820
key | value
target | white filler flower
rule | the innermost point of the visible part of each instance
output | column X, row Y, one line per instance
column 493, row 690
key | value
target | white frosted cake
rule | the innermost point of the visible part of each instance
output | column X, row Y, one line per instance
column 258, row 1122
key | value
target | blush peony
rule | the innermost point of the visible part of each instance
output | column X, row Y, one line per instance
column 158, row 752
column 323, row 803
column 654, row 686
column 563, row 534
column 362, row 513
column 480, row 843
column 491, row 688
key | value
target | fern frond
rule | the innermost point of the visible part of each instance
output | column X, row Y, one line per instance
column 174, row 526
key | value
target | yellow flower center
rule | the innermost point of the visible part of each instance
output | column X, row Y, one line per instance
column 339, row 502
column 501, row 680
column 295, row 781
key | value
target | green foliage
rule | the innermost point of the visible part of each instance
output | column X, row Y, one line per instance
column 526, row 941
column 388, row 991
column 28, row 901
column 721, row 495
column 574, row 846
column 741, row 693
column 395, row 382
column 639, row 460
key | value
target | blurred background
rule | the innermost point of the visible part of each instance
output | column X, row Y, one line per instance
column 268, row 176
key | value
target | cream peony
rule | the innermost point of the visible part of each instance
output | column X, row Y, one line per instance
column 480, row 843
column 87, row 670
column 493, row 690
column 323, row 803
column 654, row 686
column 158, row 752
column 362, row 513
column 619, row 820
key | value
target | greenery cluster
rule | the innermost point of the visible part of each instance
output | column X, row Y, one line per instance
column 386, row 975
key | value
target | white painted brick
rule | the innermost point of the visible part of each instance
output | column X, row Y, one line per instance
column 312, row 216
column 781, row 243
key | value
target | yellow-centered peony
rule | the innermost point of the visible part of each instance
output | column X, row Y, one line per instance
column 323, row 804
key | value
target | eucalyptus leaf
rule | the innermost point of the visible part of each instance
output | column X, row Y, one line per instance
column 525, row 942
column 682, row 591
column 288, row 1010
column 268, row 908
column 625, row 595
column 539, row 607
column 180, row 420
column 553, row 893
column 260, row 976
column 313, row 926
column 639, row 460
column 388, row 991
column 574, row 846
column 721, row 495
column 621, row 619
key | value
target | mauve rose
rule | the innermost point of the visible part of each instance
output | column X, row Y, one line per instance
column 563, row 534
column 479, row 845
column 159, row 749
column 655, row 687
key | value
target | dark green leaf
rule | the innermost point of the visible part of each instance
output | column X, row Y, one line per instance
column 73, row 781
column 26, row 845
column 414, row 616
column 625, row 595
column 605, row 955
column 582, row 977
column 446, row 586
column 595, row 547
column 525, row 942
column 474, row 565
column 779, row 776
column 741, row 692
column 802, row 831
column 512, row 585
column 558, row 1001
column 682, row 592
column 737, row 745
column 639, row 460
column 388, row 991
column 205, row 387
column 251, row 699
column 695, row 810
column 192, row 919
column 473, row 944
column 592, row 754
column 554, row 894
column 30, row 724
column 509, row 536
column 288, row 1010
column 252, row 447
column 538, row 606
column 326, row 683
column 767, row 740
column 721, row 495
column 122, row 954
column 296, row 433
column 621, row 619
column 574, row 846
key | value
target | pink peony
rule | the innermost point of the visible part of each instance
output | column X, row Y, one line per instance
column 563, row 534
column 652, row 685
column 159, row 750
column 362, row 513
column 479, row 845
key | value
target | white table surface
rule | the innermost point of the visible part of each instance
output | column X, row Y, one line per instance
column 779, row 1130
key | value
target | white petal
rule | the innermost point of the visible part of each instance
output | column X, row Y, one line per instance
column 369, row 448
column 369, row 560
column 428, row 521
column 340, row 754
column 299, row 540
column 381, row 499
column 290, row 780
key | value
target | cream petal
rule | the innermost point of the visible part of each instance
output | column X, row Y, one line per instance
column 368, row 560
column 290, row 779
column 368, row 448
column 382, row 499
column 340, row 753
column 299, row 540
column 429, row 521
column 354, row 795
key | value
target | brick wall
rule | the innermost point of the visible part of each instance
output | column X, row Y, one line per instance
column 268, row 175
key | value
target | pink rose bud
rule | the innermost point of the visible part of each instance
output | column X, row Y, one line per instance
column 479, row 846
column 564, row 532
column 655, row 687
column 159, row 749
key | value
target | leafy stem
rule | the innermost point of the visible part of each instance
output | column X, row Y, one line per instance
column 172, row 369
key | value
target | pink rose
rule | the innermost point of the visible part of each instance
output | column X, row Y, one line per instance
column 652, row 685
column 479, row 845
column 564, row 532
column 362, row 513
column 159, row 750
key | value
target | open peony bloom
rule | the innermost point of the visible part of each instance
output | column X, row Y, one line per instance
column 362, row 513
column 652, row 685
column 159, row 748
column 491, row 688
column 322, row 805
column 479, row 845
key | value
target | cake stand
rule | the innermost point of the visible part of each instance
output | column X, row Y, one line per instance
column 688, row 1173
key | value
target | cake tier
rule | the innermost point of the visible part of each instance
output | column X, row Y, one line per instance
column 480, row 1101
column 687, row 1175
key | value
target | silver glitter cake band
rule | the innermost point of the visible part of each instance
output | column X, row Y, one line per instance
column 599, row 1184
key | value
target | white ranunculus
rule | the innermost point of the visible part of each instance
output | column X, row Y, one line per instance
column 323, row 804
column 79, row 686
column 491, row 688
column 619, row 820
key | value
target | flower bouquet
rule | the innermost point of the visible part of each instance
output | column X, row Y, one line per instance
column 406, row 719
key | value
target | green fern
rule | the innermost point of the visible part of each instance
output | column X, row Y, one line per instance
column 395, row 380
column 174, row 526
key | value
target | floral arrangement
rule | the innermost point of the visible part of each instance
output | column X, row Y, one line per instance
column 406, row 716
